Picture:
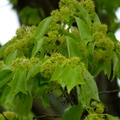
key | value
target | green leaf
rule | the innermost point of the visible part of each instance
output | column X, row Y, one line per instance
column 110, row 117
column 89, row 90
column 74, row 37
column 10, row 57
column 33, row 71
column 60, row 70
column 116, row 64
column 31, row 81
column 42, row 27
column 72, row 78
column 74, row 113
column 34, row 88
column 3, row 48
column 37, row 46
column 45, row 100
column 83, row 12
column 72, row 47
column 84, row 30
column 15, row 86
column 98, row 68
column 107, row 69
column 91, row 47
column 118, row 72
column 5, row 76
column 23, row 104
column 112, row 37
column 96, row 18
column 41, row 89
column 68, row 76
column 18, row 83
column 57, row 73
column 7, row 98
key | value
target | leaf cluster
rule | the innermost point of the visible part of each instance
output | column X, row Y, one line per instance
column 66, row 51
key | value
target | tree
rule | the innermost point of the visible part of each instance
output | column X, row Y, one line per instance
column 28, row 10
column 69, row 49
column 38, row 10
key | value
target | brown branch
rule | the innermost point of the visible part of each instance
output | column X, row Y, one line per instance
column 3, row 115
column 107, row 92
column 47, row 115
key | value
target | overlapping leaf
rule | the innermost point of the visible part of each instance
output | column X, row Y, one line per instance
column 116, row 64
column 84, row 30
column 74, row 113
column 72, row 47
column 10, row 57
column 45, row 100
column 5, row 76
column 33, row 71
column 3, row 48
column 89, row 90
column 110, row 117
column 18, row 82
column 37, row 46
column 83, row 12
column 96, row 18
column 107, row 69
column 7, row 98
column 23, row 104
column 98, row 68
column 42, row 27
column 68, row 76
column 15, row 86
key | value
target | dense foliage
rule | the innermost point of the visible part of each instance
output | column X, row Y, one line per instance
column 31, row 12
column 66, row 51
column 106, row 12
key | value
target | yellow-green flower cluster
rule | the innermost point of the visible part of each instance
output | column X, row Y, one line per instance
column 89, row 6
column 66, row 11
column 10, row 116
column 97, row 107
column 117, row 47
column 74, row 61
column 2, row 65
column 102, row 41
column 103, row 45
column 23, row 45
column 24, row 31
column 94, row 116
column 23, row 41
column 24, row 63
column 47, row 68
column 55, row 42
column 83, row 49
column 96, row 111
column 99, row 27
column 69, row 3
column 104, row 55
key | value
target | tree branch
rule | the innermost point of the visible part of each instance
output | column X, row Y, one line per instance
column 3, row 115
column 47, row 115
column 107, row 92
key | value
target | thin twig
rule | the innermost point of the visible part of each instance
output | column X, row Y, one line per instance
column 47, row 115
column 107, row 92
column 3, row 115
